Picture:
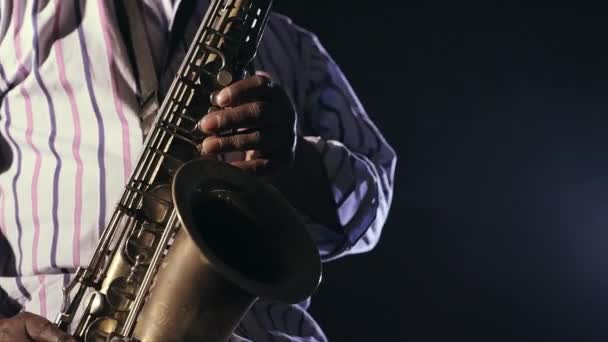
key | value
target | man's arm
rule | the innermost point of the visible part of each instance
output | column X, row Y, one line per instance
column 305, row 184
column 357, row 161
column 340, row 172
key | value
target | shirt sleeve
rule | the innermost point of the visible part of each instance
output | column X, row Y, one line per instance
column 359, row 162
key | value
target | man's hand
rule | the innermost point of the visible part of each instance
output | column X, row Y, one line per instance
column 262, row 122
column 27, row 327
column 255, row 117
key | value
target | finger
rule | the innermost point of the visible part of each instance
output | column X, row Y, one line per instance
column 261, row 167
column 250, row 115
column 254, row 87
column 257, row 166
column 209, row 156
column 249, row 140
column 11, row 331
column 263, row 73
column 253, row 154
column 41, row 330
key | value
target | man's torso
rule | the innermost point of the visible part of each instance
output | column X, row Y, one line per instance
column 70, row 119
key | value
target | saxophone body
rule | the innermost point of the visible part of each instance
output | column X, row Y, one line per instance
column 193, row 243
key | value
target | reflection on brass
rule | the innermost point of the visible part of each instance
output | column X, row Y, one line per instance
column 192, row 244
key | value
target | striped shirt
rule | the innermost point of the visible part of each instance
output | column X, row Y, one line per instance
column 71, row 135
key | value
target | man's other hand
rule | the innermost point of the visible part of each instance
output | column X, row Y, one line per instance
column 27, row 327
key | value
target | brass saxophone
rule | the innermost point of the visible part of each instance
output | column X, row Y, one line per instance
column 193, row 243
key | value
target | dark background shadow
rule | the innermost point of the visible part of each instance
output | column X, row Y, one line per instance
column 499, row 227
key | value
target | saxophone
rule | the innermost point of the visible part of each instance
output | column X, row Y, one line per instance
column 193, row 243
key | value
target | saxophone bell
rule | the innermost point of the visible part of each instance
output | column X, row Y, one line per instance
column 240, row 240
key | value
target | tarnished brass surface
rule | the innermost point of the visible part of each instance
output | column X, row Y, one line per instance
column 189, row 299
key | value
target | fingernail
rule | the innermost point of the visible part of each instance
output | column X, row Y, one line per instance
column 204, row 123
column 207, row 124
column 205, row 146
column 223, row 97
column 213, row 98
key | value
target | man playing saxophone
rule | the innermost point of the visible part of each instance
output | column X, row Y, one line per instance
column 71, row 129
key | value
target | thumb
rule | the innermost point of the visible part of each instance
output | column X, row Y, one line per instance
column 41, row 330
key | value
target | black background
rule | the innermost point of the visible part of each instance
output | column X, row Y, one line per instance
column 499, row 225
